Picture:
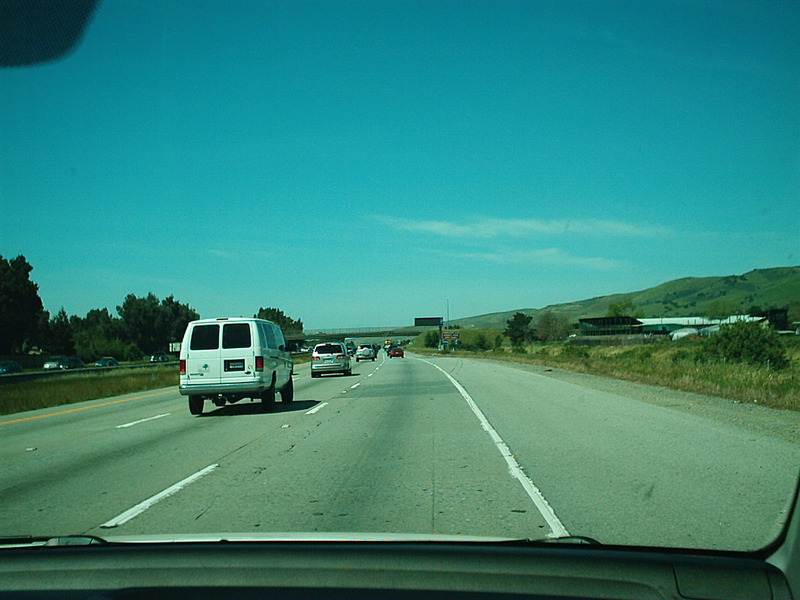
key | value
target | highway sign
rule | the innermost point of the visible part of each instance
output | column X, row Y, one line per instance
column 428, row 321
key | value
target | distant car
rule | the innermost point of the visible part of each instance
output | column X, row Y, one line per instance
column 160, row 356
column 330, row 357
column 365, row 352
column 9, row 366
column 106, row 361
column 55, row 362
column 63, row 362
column 396, row 351
column 73, row 362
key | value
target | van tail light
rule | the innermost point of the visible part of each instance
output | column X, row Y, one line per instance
column 183, row 366
column 259, row 363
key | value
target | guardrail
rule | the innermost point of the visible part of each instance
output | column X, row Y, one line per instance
column 19, row 377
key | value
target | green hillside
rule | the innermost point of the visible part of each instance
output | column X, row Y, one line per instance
column 691, row 296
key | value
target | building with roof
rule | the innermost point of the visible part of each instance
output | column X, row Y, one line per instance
column 625, row 325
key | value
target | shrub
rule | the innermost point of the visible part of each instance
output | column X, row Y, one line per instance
column 431, row 339
column 745, row 343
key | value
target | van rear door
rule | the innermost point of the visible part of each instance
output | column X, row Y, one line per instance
column 237, row 358
column 203, row 355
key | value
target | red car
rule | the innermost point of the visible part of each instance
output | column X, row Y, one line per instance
column 396, row 351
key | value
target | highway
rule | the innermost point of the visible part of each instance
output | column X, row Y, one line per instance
column 425, row 445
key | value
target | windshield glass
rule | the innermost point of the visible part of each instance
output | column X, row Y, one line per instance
column 576, row 221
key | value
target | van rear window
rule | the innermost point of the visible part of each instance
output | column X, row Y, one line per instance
column 205, row 337
column 236, row 335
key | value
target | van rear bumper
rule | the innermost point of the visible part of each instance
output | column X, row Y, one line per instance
column 226, row 389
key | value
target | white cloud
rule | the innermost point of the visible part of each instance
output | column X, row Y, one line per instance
column 491, row 227
column 543, row 256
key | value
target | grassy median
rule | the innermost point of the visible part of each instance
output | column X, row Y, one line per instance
column 67, row 388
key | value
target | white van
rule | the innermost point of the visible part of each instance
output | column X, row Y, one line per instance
column 230, row 358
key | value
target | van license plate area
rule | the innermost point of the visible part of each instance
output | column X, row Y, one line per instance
column 234, row 365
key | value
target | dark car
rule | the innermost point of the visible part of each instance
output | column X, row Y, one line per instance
column 106, row 361
column 160, row 356
column 396, row 351
column 9, row 366
column 63, row 362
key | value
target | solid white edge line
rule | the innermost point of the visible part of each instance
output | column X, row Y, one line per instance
column 132, row 423
column 556, row 526
column 143, row 506
column 316, row 408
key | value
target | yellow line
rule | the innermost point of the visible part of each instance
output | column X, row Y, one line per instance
column 71, row 410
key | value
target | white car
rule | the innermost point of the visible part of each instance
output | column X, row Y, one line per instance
column 365, row 352
column 227, row 359
column 330, row 357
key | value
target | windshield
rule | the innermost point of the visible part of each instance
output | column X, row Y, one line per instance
column 576, row 221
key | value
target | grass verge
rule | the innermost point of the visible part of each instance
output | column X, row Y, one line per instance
column 68, row 388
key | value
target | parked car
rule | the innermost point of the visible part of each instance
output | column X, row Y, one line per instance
column 396, row 351
column 63, row 362
column 230, row 358
column 9, row 366
column 106, row 361
column 330, row 357
column 365, row 352
column 161, row 356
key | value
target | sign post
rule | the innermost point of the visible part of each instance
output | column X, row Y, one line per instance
column 429, row 321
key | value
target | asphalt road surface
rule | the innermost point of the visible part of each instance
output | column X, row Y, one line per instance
column 422, row 445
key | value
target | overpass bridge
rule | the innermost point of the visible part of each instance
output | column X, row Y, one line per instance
column 324, row 335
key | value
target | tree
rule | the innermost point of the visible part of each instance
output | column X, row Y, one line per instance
column 100, row 334
column 20, row 306
column 151, row 325
column 518, row 328
column 60, row 337
column 287, row 324
column 623, row 308
column 173, row 317
column 551, row 327
column 139, row 321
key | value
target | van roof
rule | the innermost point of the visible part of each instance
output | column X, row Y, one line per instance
column 218, row 319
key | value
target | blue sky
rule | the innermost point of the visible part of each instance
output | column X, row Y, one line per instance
column 360, row 163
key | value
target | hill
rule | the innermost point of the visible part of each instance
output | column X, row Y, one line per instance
column 691, row 296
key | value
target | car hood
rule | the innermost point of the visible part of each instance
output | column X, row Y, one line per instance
column 278, row 537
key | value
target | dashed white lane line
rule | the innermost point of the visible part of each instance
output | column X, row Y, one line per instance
column 556, row 526
column 143, row 506
column 316, row 408
column 132, row 423
column 354, row 386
